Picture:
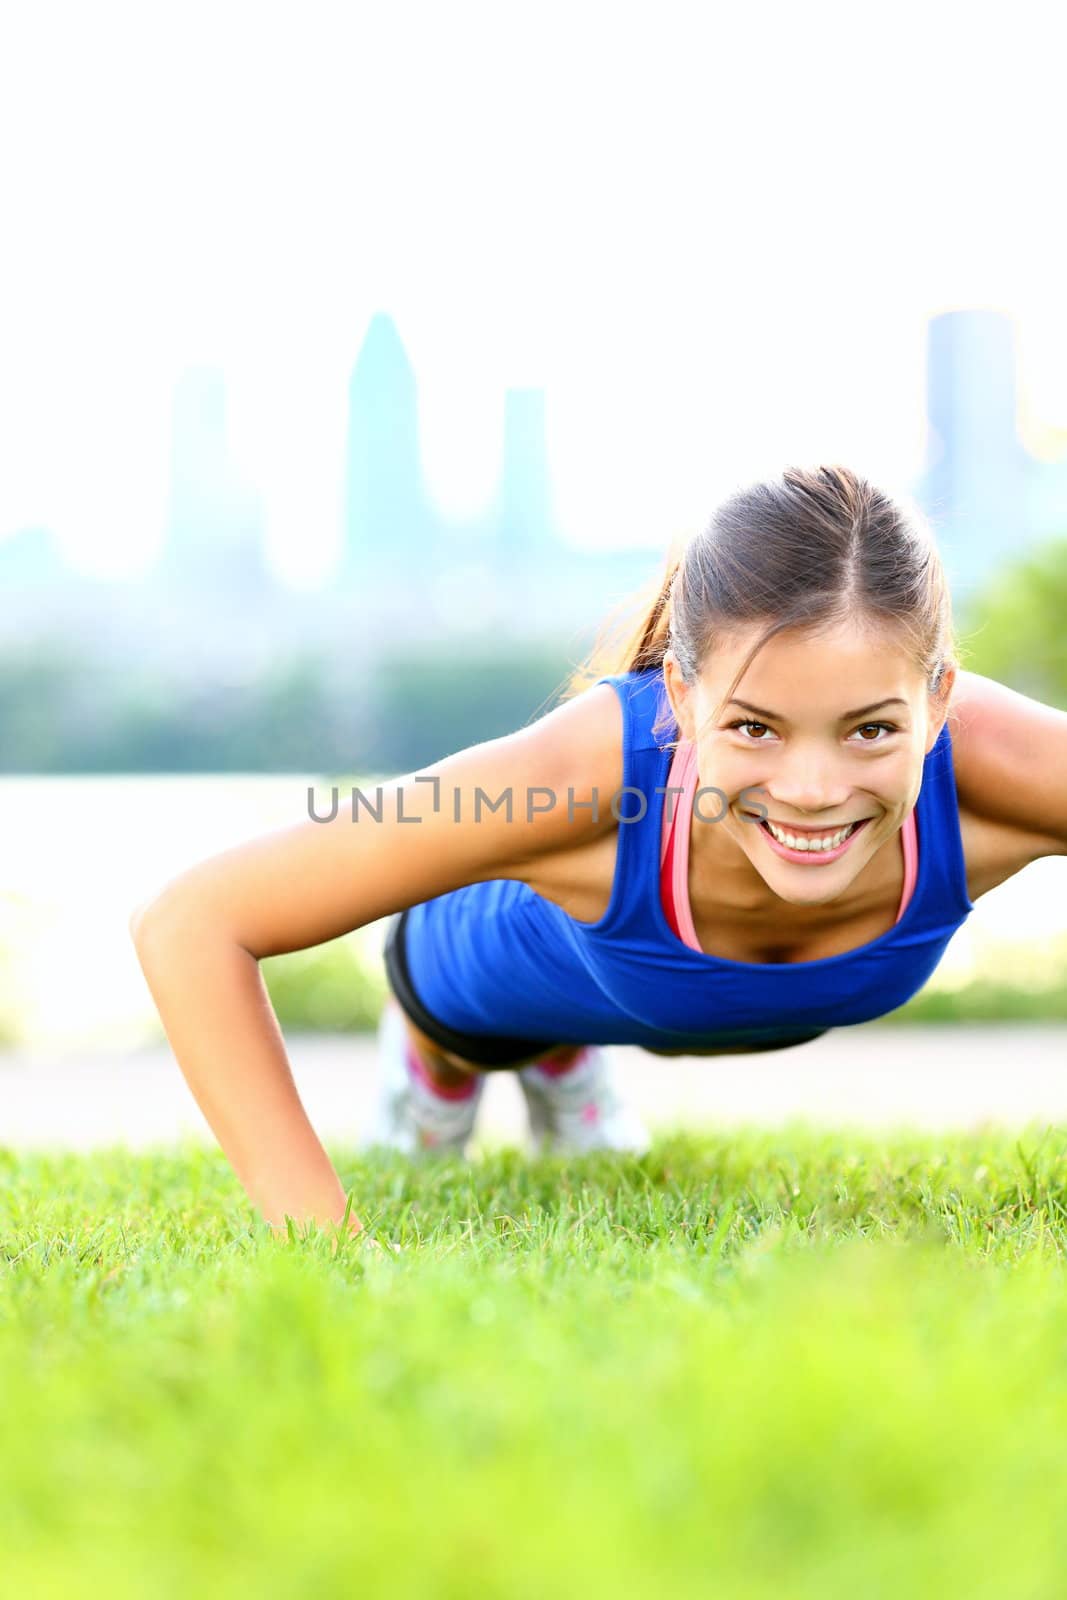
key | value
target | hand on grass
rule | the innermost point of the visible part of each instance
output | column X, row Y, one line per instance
column 382, row 1249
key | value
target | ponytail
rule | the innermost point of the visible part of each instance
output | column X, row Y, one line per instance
column 635, row 633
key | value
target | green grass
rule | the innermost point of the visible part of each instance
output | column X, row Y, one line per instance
column 750, row 1364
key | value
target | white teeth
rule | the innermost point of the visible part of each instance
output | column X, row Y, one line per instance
column 793, row 843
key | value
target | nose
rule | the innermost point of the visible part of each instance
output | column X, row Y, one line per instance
column 808, row 788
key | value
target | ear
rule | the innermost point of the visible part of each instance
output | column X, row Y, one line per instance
column 938, row 704
column 680, row 696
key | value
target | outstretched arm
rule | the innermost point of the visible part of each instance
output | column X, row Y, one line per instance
column 200, row 939
column 1010, row 758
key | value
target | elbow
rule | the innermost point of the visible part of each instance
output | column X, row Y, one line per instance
column 146, row 918
column 167, row 919
column 139, row 917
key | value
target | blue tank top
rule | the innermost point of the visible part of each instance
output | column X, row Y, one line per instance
column 497, row 958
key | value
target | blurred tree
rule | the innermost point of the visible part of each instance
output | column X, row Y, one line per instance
column 429, row 708
column 64, row 711
column 1015, row 628
column 329, row 988
column 37, row 695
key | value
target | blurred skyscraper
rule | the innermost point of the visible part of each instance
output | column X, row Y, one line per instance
column 407, row 568
column 985, row 495
column 524, row 534
column 214, row 533
column 389, row 525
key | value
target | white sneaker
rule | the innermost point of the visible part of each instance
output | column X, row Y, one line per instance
column 581, row 1109
column 409, row 1117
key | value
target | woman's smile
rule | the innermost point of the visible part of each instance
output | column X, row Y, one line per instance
column 815, row 852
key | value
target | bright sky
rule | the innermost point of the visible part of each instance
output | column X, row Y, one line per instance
column 713, row 234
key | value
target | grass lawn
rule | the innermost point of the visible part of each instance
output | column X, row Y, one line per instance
column 790, row 1363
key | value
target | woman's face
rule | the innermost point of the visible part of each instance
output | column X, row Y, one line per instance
column 843, row 723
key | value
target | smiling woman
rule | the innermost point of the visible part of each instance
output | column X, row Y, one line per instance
column 532, row 942
column 833, row 788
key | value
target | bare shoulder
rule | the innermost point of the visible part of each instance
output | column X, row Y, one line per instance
column 1010, row 762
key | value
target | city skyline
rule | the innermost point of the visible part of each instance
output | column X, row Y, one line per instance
column 665, row 229
column 975, row 479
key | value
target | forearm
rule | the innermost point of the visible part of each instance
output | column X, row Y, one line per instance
column 218, row 1018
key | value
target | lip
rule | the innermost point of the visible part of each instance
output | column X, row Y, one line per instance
column 812, row 858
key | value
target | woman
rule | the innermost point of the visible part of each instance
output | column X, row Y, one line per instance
column 846, row 793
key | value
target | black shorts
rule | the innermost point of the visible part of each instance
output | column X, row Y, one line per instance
column 486, row 1049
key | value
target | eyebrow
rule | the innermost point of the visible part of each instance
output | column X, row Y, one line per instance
column 846, row 716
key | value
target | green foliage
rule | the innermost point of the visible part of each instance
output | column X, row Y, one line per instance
column 42, row 699
column 63, row 710
column 1012, row 982
column 834, row 1357
column 1016, row 628
column 331, row 988
column 430, row 707
column 982, row 1002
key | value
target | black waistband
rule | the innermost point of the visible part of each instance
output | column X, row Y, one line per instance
column 488, row 1050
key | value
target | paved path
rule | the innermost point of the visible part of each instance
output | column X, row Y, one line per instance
column 868, row 1076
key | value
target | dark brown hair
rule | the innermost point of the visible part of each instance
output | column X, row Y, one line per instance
column 806, row 551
